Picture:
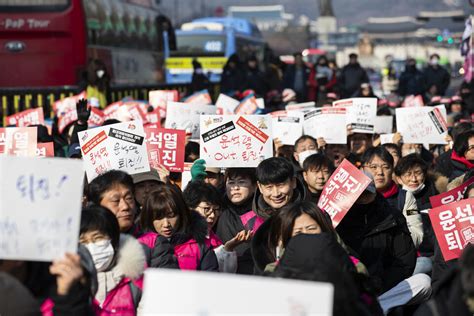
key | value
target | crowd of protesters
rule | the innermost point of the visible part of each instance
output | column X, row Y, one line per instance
column 383, row 257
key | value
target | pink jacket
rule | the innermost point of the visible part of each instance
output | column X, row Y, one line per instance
column 120, row 300
column 251, row 221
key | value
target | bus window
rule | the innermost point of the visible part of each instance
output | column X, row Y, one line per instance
column 34, row 5
column 200, row 45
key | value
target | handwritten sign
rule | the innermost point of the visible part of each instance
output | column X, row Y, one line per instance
column 383, row 124
column 118, row 146
column 422, row 125
column 166, row 148
column 45, row 150
column 282, row 296
column 186, row 116
column 226, row 105
column 235, row 141
column 341, row 191
column 360, row 113
column 413, row 101
column 159, row 99
column 329, row 123
column 40, row 207
column 200, row 97
column 26, row 118
column 18, row 141
column 453, row 225
column 452, row 195
column 287, row 128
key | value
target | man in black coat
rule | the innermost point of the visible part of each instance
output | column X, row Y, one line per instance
column 437, row 78
column 412, row 81
column 352, row 76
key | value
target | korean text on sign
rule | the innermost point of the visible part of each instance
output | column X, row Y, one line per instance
column 453, row 225
column 451, row 196
column 422, row 125
column 18, row 141
column 26, row 118
column 235, row 141
column 342, row 190
column 40, row 205
column 166, row 148
column 360, row 113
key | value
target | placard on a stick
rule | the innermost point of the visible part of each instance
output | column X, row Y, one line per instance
column 40, row 205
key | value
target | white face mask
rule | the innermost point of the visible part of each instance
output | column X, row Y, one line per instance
column 305, row 154
column 100, row 73
column 415, row 190
column 434, row 61
column 102, row 253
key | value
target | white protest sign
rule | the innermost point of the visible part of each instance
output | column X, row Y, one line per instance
column 235, row 140
column 422, row 125
column 118, row 146
column 40, row 205
column 281, row 296
column 185, row 116
column 329, row 123
column 384, row 124
column 226, row 104
column 260, row 103
column 386, row 138
column 360, row 113
column 287, row 128
column 300, row 106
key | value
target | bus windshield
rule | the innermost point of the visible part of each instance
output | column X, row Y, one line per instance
column 33, row 5
column 199, row 45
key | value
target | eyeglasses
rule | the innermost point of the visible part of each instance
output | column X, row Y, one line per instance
column 209, row 210
column 410, row 174
column 375, row 167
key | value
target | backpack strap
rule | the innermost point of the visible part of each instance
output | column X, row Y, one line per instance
column 402, row 194
column 136, row 294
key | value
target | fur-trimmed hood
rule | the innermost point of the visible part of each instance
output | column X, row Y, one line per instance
column 130, row 261
column 439, row 181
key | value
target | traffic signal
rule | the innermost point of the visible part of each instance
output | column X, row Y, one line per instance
column 439, row 38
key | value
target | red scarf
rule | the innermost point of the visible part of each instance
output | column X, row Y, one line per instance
column 391, row 191
column 462, row 160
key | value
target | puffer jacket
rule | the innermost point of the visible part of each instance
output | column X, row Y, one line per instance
column 190, row 247
column 124, row 297
column 380, row 235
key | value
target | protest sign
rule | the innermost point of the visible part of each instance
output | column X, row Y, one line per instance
column 226, row 105
column 413, row 101
column 342, row 190
column 200, row 97
column 422, row 125
column 453, row 225
column 300, row 106
column 329, row 123
column 287, row 128
column 119, row 146
column 154, row 119
column 282, row 296
column 45, row 150
column 65, row 105
column 166, row 148
column 360, row 113
column 186, row 116
column 260, row 103
column 235, row 140
column 159, row 99
column 96, row 118
column 386, row 138
column 18, row 141
column 26, row 118
column 40, row 205
column 247, row 106
column 186, row 175
column 451, row 196
column 383, row 124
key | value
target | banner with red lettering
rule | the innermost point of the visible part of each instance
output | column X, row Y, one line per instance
column 235, row 140
column 453, row 225
column 45, row 150
column 18, row 141
column 166, row 148
column 26, row 118
column 201, row 97
column 65, row 105
column 96, row 118
column 159, row 99
column 451, row 196
column 342, row 190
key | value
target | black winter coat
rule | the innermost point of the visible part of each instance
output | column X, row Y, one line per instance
column 379, row 234
column 438, row 77
column 352, row 76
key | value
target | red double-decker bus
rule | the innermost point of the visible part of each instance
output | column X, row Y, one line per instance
column 47, row 43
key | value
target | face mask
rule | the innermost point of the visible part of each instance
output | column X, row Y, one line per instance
column 434, row 61
column 102, row 253
column 100, row 73
column 416, row 190
column 305, row 154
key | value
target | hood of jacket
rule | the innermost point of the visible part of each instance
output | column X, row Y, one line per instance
column 262, row 209
column 197, row 230
column 130, row 261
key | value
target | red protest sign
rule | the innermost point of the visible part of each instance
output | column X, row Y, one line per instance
column 26, row 118
column 342, row 190
column 65, row 105
column 451, row 196
column 45, row 150
column 247, row 106
column 96, row 118
column 453, row 225
column 413, row 101
column 159, row 99
column 154, row 118
column 166, row 148
column 20, row 141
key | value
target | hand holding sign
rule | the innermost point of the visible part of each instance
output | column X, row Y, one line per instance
column 40, row 203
